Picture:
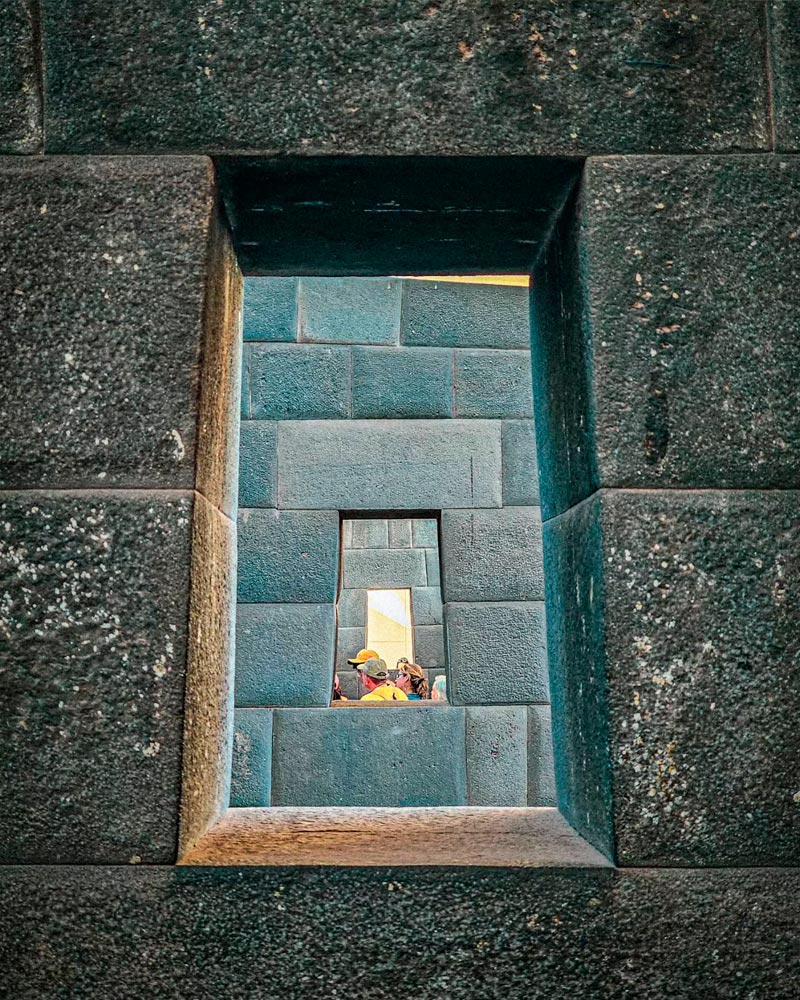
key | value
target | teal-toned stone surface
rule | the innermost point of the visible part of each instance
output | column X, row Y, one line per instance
column 21, row 124
column 284, row 654
column 429, row 650
column 251, row 775
column 425, row 533
column 497, row 765
column 492, row 555
column 402, row 382
column 258, row 463
column 349, row 640
column 352, row 607
column 269, row 309
column 426, row 604
column 328, row 757
column 350, row 310
column 288, row 556
column 389, row 464
column 433, row 567
column 541, row 774
column 492, row 384
column 348, row 682
column 387, row 568
column 496, row 653
column 450, row 314
column 400, row 533
column 520, row 464
column 369, row 533
column 298, row 381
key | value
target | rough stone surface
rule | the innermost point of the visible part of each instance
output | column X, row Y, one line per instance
column 390, row 568
column 402, row 382
column 492, row 555
column 288, row 556
column 451, row 314
column 598, row 933
column 400, row 533
column 348, row 642
column 496, row 653
column 252, row 757
column 492, row 384
column 350, row 310
column 694, row 384
column 541, row 774
column 426, row 604
column 520, row 464
column 284, row 654
column 20, row 91
column 270, row 309
column 258, row 463
column 354, row 464
column 369, row 533
column 497, row 756
column 785, row 57
column 92, row 681
column 429, row 646
column 433, row 567
column 454, row 79
column 425, row 532
column 352, row 608
column 327, row 757
column 296, row 382
column 104, row 282
column 701, row 658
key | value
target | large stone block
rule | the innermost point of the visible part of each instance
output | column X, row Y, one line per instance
column 297, row 382
column 377, row 756
column 389, row 568
column 288, row 556
column 258, row 463
column 785, row 63
column 389, row 464
column 455, row 314
column 541, row 771
column 96, row 610
column 425, row 533
column 496, row 653
column 252, row 757
column 20, row 89
column 492, row 384
column 270, row 309
column 284, row 654
column 402, row 382
column 433, row 567
column 450, row 80
column 369, row 533
column 105, row 284
column 349, row 640
column 400, row 533
column 429, row 646
column 497, row 756
column 426, row 605
column 693, row 385
column 492, row 555
column 350, row 310
column 697, row 642
column 520, row 464
column 352, row 609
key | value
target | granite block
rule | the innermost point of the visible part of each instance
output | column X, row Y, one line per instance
column 252, row 757
column 350, row 310
column 369, row 533
column 497, row 756
column 492, row 555
column 400, row 533
column 258, row 463
column 383, row 568
column 348, row 680
column 284, row 654
column 319, row 757
column 20, row 88
column 361, row 464
column 352, row 609
column 425, row 533
column 288, row 556
column 96, row 598
column 520, row 464
column 270, row 309
column 455, row 314
column 433, row 567
column 541, row 772
column 298, row 381
column 496, row 653
column 492, row 384
column 784, row 17
column 349, row 640
column 402, row 382
column 105, row 282
column 429, row 646
column 453, row 80
column 426, row 606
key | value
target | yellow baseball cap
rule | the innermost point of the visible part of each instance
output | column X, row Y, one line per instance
column 362, row 657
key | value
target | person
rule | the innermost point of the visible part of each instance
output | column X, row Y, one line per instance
column 336, row 694
column 375, row 676
column 362, row 656
column 412, row 680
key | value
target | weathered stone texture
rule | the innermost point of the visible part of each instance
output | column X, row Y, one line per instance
column 402, row 382
column 296, row 382
column 541, row 769
column 452, row 314
column 463, row 78
column 350, row 310
column 492, row 384
column 429, row 646
column 330, row 757
column 251, row 777
column 20, row 89
column 520, row 465
column 389, row 568
column 497, row 756
column 95, row 623
column 270, row 309
column 258, row 463
column 103, row 286
column 785, row 58
column 400, row 464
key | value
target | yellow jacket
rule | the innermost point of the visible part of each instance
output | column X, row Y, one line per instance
column 385, row 693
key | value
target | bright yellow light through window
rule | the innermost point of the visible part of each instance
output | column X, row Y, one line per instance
column 390, row 630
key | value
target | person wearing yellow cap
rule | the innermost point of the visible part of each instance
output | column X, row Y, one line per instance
column 362, row 656
column 375, row 676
